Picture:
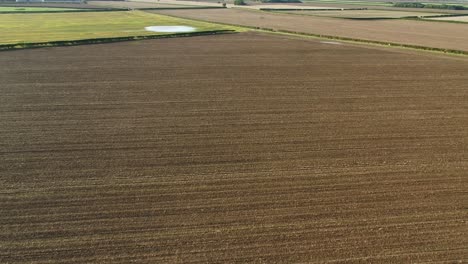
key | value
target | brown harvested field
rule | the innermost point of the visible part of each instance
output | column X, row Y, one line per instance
column 364, row 14
column 232, row 148
column 421, row 33
column 178, row 2
column 285, row 6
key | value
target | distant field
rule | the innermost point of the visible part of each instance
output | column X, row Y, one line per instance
column 49, row 5
column 351, row 2
column 379, row 3
column 33, row 9
column 288, row 6
column 363, row 14
column 420, row 33
column 217, row 3
column 18, row 28
column 127, row 4
column 454, row 18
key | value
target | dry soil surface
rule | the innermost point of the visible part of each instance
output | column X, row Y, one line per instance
column 235, row 148
column 422, row 33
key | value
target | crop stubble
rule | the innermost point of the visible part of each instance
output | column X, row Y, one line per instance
column 362, row 14
column 421, row 33
column 232, row 148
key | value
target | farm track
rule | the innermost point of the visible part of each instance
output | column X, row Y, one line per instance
column 232, row 148
column 410, row 32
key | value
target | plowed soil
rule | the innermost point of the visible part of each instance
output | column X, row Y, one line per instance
column 421, row 33
column 362, row 14
column 235, row 148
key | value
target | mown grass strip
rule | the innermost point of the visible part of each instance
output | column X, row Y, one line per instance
column 15, row 46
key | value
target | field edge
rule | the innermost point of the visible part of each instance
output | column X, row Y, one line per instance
column 31, row 45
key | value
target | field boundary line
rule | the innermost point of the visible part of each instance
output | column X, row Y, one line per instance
column 61, row 43
column 331, row 37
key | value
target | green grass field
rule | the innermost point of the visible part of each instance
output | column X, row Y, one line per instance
column 33, row 9
column 33, row 28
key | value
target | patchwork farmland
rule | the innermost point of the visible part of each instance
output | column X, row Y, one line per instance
column 362, row 14
column 419, row 33
column 212, row 149
column 232, row 135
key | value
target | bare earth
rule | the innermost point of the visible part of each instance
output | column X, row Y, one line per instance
column 422, row 33
column 283, row 6
column 363, row 14
column 175, row 2
column 235, row 148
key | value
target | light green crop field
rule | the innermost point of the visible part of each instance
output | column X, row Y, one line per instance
column 33, row 28
column 33, row 9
